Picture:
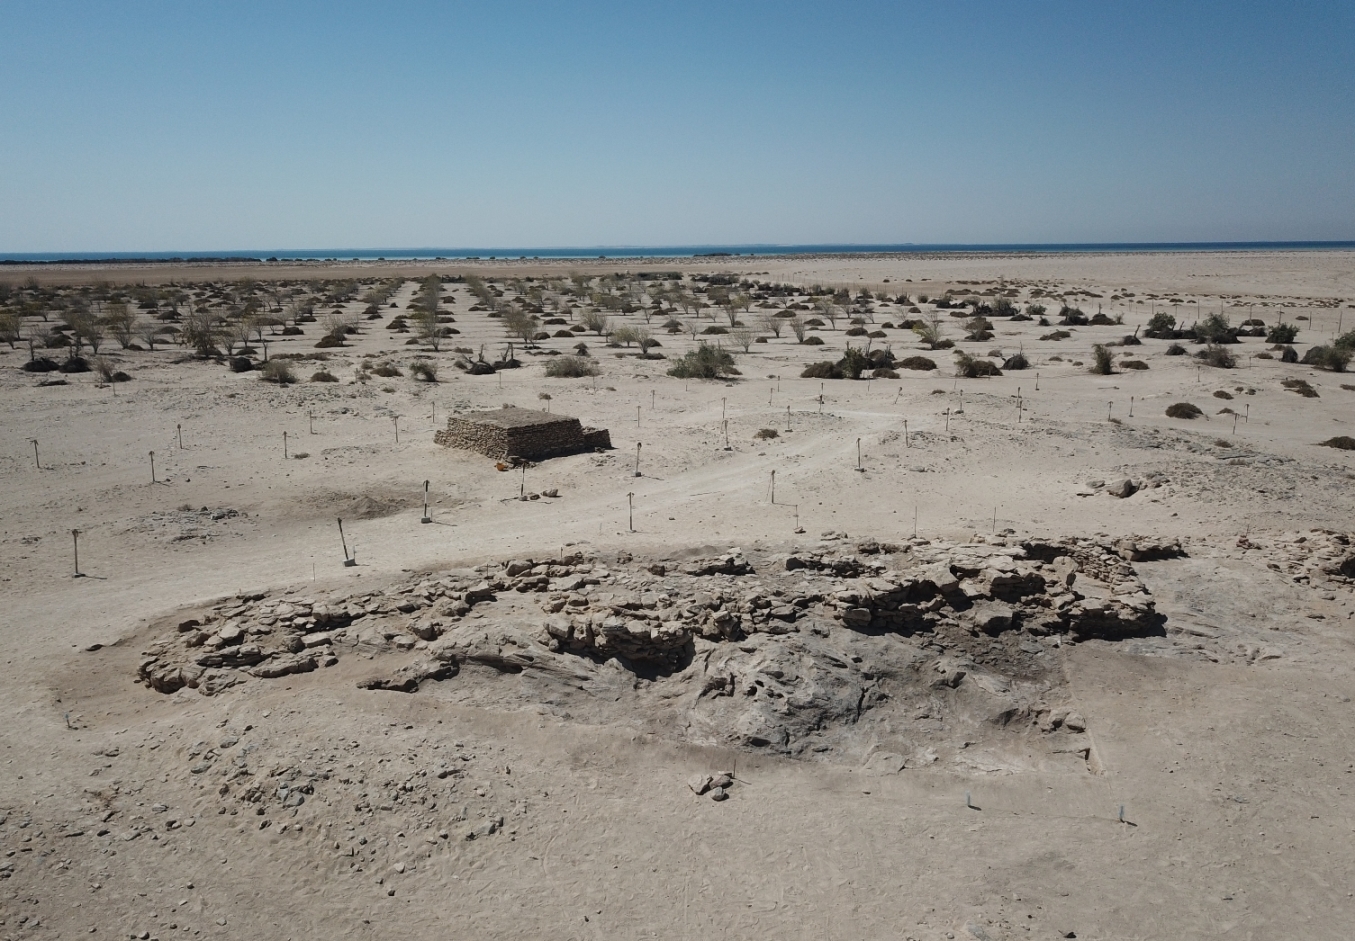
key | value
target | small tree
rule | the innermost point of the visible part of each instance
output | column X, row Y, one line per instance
column 1103, row 360
column 594, row 320
column 797, row 327
column 625, row 335
column 9, row 327
column 121, row 321
column 743, row 337
column 772, row 325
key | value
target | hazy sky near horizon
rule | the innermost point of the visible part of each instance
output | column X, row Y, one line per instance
column 159, row 126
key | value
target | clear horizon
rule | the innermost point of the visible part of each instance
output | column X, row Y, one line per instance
column 147, row 126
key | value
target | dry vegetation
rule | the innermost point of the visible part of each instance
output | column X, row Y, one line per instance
column 964, row 622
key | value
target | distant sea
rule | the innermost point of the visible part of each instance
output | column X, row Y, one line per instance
column 664, row 251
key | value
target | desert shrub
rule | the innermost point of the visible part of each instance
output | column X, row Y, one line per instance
column 764, row 434
column 1215, row 329
column 1348, row 388
column 1330, row 358
column 1101, row 320
column 1345, row 341
column 1220, row 394
column 1035, row 311
column 1131, row 340
column 920, row 363
column 292, row 331
column 979, row 325
column 1018, row 361
column 979, row 336
column 240, row 364
column 812, row 341
column 1072, row 317
column 821, row 370
column 1217, row 356
column 853, row 363
column 329, row 341
column 277, row 370
column 1176, row 349
column 1301, row 387
column 571, row 367
column 1133, row 364
column 1162, row 326
column 1003, row 307
column 715, row 330
column 1282, row 334
column 387, row 370
column 424, row 370
column 1341, row 442
column 41, row 364
column 324, row 375
column 1289, row 355
column 1057, row 335
column 884, row 372
column 104, row 367
column 1183, row 410
column 704, row 362
column 971, row 367
column 856, row 332
column 1103, row 360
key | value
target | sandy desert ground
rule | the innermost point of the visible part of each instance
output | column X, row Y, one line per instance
column 959, row 691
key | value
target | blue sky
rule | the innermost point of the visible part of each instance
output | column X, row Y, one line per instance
column 196, row 126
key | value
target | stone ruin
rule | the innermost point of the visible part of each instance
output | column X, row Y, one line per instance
column 512, row 432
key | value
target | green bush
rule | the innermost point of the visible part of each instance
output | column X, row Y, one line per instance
column 704, row 362
column 970, row 367
column 1282, row 333
column 571, row 367
column 1330, row 358
column 1215, row 329
column 1217, row 356
column 1183, row 410
column 1162, row 326
column 277, row 370
column 1345, row 341
column 821, row 370
column 1103, row 360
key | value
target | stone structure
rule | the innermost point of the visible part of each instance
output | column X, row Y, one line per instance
column 520, row 432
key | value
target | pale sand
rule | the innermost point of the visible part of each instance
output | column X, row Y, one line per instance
column 1236, row 774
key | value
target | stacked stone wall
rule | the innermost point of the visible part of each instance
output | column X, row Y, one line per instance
column 534, row 442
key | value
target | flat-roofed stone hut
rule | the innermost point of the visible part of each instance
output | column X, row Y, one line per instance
column 520, row 432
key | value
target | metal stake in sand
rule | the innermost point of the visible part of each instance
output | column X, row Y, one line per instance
column 284, row 445
column 426, row 518
column 1110, row 407
column 522, row 484
column 773, row 486
column 396, row 419
column 788, row 418
column 637, row 416
column 914, row 520
column 1234, row 422
column 637, row 458
column 1131, row 406
column 152, row 467
column 630, row 499
column 1246, row 418
column 347, row 559
column 651, row 400
column 995, row 521
column 1037, row 382
column 726, row 426
column 905, row 434
column 75, row 537
column 722, row 408
column 859, row 466
column 311, row 418
column 947, row 421
column 37, row 463
column 178, row 431
column 798, row 527
column 1122, row 813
